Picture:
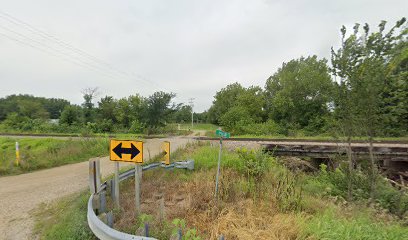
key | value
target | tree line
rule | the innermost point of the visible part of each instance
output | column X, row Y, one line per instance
column 364, row 92
column 133, row 114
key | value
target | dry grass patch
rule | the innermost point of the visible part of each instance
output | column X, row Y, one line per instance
column 191, row 197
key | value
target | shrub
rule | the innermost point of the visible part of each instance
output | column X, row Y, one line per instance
column 255, row 163
column 334, row 183
column 136, row 127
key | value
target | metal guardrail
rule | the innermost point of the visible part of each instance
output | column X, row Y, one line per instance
column 104, row 232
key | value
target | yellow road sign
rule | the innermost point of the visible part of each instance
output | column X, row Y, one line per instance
column 166, row 152
column 126, row 151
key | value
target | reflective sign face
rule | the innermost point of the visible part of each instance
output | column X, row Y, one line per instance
column 126, row 151
column 166, row 152
column 222, row 134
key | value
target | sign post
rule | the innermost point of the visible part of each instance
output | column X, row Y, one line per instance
column 127, row 151
column 222, row 135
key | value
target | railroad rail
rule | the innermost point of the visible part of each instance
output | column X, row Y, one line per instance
column 299, row 140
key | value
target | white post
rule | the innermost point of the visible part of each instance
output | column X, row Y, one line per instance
column 117, row 205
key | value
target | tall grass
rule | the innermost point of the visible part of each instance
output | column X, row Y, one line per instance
column 41, row 153
column 65, row 219
column 330, row 224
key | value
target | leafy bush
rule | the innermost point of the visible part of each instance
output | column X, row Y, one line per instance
column 136, row 127
column 255, row 163
column 235, row 119
column 334, row 183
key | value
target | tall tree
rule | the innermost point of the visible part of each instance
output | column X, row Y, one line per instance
column 158, row 108
column 71, row 115
column 89, row 95
column 299, row 92
column 106, row 109
column 224, row 100
column 362, row 64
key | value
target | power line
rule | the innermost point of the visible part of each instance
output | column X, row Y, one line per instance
column 54, row 39
column 70, row 47
column 50, row 53
column 43, row 46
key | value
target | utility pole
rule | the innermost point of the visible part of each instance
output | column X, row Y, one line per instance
column 192, row 112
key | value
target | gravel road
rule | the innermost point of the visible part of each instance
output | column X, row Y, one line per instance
column 21, row 194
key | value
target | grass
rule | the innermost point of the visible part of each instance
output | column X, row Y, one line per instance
column 64, row 219
column 330, row 224
column 41, row 153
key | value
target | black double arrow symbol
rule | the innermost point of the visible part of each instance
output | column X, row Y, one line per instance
column 133, row 151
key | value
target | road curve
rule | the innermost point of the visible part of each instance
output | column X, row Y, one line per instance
column 21, row 194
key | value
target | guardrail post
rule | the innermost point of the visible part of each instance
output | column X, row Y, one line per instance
column 110, row 188
column 138, row 180
column 116, row 196
column 96, row 203
column 102, row 199
column 146, row 228
column 109, row 219
column 94, row 175
column 179, row 234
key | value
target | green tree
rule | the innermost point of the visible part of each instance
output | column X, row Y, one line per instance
column 55, row 106
column 107, row 109
column 89, row 95
column 298, row 94
column 224, row 100
column 235, row 118
column 251, row 100
column 130, row 109
column 157, row 108
column 71, row 115
column 182, row 114
column 367, row 95
column 32, row 109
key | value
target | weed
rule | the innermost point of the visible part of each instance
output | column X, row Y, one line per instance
column 287, row 193
column 65, row 219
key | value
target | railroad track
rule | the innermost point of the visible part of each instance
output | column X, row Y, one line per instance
column 334, row 141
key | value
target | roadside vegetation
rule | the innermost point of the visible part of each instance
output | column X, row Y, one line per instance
column 41, row 153
column 259, row 198
column 134, row 114
column 64, row 219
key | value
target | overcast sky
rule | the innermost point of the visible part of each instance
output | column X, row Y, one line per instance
column 194, row 48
